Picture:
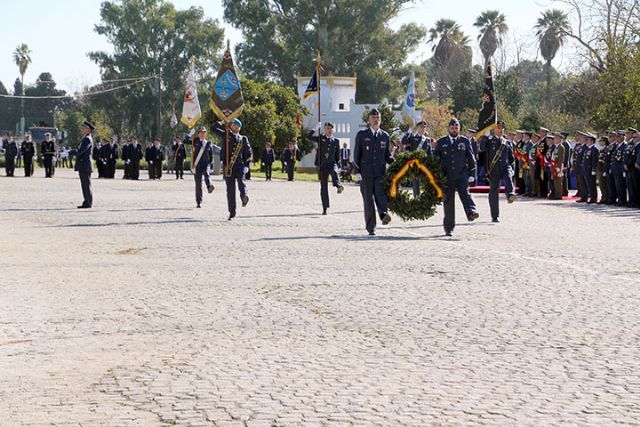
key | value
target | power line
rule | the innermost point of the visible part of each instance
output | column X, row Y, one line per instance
column 80, row 95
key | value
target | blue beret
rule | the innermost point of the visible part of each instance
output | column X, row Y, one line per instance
column 374, row 112
column 236, row 122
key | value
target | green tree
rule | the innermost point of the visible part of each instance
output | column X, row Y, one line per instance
column 353, row 37
column 492, row 25
column 43, row 110
column 3, row 89
column 451, row 56
column 388, row 121
column 466, row 91
column 153, row 38
column 269, row 113
column 551, row 32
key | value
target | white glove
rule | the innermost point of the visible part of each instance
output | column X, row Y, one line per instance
column 150, row 162
column 128, row 161
column 285, row 163
column 245, row 170
column 604, row 174
column 192, row 131
column 359, row 177
column 471, row 179
column 593, row 173
column 318, row 126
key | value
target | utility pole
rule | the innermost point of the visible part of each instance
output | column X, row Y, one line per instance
column 158, row 108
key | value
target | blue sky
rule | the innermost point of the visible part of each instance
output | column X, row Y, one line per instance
column 60, row 42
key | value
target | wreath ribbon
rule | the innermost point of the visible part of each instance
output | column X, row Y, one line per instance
column 395, row 180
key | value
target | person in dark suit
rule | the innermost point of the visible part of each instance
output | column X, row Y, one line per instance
column 111, row 158
column 201, row 159
column 371, row 154
column 327, row 159
column 83, row 163
column 148, row 157
column 235, row 163
column 157, row 154
column 134, row 156
column 290, row 156
column 10, row 153
column 459, row 166
column 28, row 150
column 268, row 159
column 345, row 155
column 48, row 154
column 125, row 157
column 179, row 155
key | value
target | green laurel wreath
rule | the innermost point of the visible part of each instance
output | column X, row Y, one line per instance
column 404, row 204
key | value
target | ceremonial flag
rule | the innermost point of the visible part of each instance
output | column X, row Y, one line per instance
column 226, row 94
column 488, row 115
column 313, row 87
column 191, row 112
column 409, row 106
column 174, row 120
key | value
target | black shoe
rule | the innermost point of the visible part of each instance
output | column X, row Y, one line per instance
column 372, row 233
column 386, row 219
column 340, row 189
column 210, row 189
column 231, row 217
column 495, row 220
column 473, row 216
column 198, row 205
column 83, row 206
column 581, row 201
column 324, row 211
column 448, row 233
column 245, row 201
column 177, row 177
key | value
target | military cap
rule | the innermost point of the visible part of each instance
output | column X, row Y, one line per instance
column 454, row 122
column 528, row 133
column 89, row 125
column 621, row 132
column 564, row 133
column 632, row 130
column 202, row 129
column 579, row 132
column 374, row 112
column 328, row 125
column 471, row 130
column 421, row 123
column 501, row 122
column 236, row 122
column 591, row 136
column 544, row 129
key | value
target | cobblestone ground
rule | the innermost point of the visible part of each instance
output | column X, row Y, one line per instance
column 145, row 311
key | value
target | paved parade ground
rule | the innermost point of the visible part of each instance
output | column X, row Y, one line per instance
column 145, row 311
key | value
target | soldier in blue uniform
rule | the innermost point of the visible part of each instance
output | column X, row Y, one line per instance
column 83, row 163
column 10, row 153
column 48, row 154
column 371, row 154
column 629, row 168
column 617, row 168
column 499, row 167
column 578, row 157
column 289, row 158
column 566, row 161
column 327, row 159
column 459, row 165
column 417, row 141
column 202, row 157
column 111, row 156
column 179, row 155
column 236, row 166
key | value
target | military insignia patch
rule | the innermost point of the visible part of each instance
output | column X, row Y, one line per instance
column 461, row 146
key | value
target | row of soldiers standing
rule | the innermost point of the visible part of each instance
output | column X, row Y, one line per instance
column 610, row 163
column 27, row 151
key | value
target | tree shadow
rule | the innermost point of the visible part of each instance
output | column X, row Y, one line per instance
column 128, row 223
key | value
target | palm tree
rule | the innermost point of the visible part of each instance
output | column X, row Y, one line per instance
column 449, row 36
column 492, row 26
column 22, row 58
column 451, row 54
column 551, row 31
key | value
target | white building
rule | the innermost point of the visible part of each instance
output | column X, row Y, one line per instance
column 337, row 105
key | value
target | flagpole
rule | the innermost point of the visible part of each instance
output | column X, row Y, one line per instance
column 318, row 59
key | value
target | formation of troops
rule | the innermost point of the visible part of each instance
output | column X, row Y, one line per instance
column 539, row 164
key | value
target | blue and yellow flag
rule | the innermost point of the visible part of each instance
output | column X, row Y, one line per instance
column 226, row 94
column 312, row 88
column 409, row 107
